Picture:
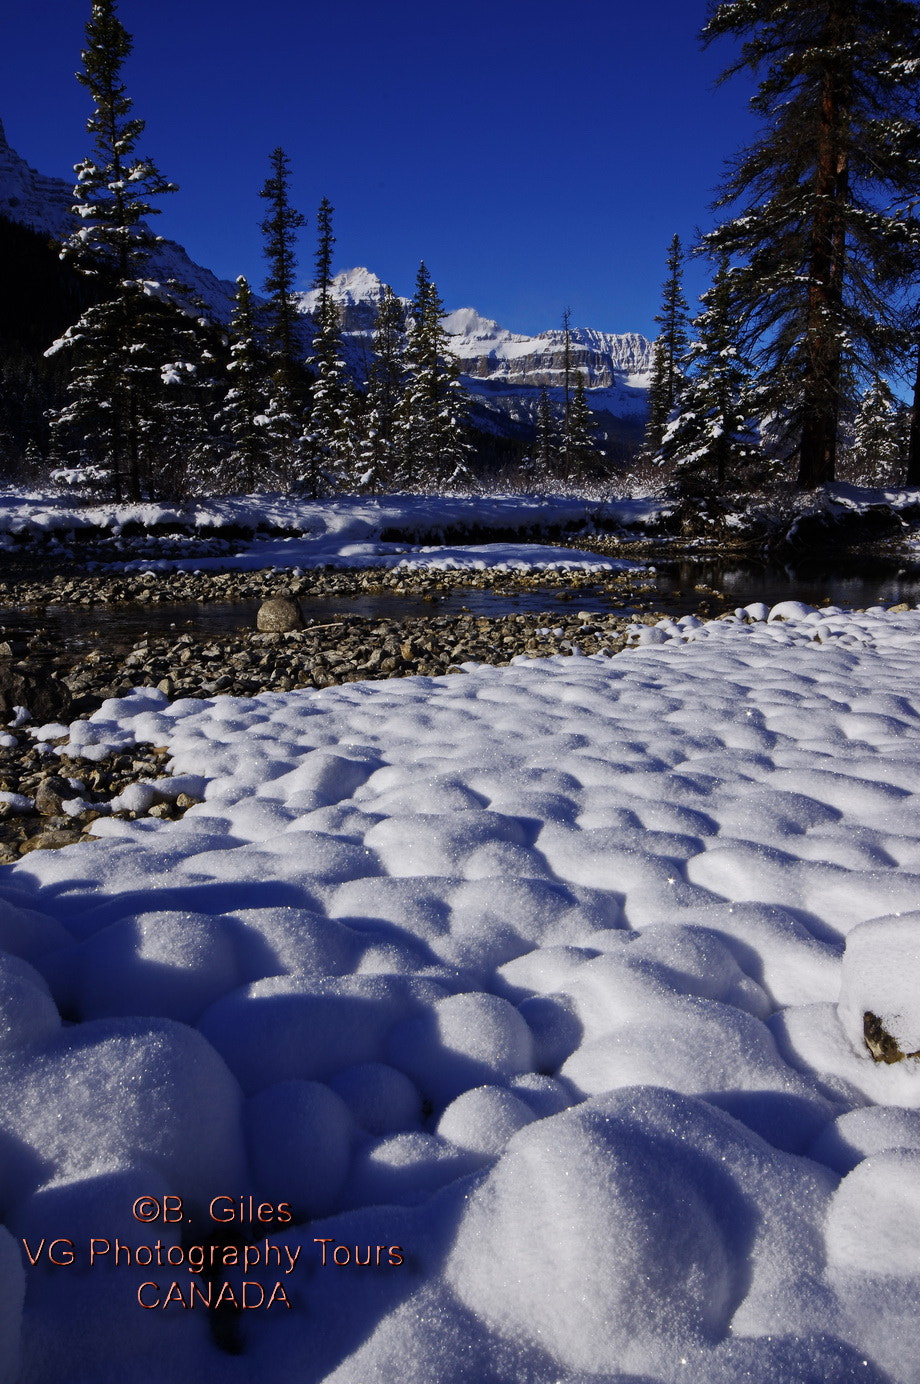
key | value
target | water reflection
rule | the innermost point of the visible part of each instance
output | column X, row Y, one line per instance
column 672, row 585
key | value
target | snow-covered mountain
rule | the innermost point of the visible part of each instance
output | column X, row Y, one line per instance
column 45, row 204
column 504, row 370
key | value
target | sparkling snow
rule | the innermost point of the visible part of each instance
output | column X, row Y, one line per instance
column 550, row 976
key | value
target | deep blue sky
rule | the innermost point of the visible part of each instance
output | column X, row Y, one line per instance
column 535, row 154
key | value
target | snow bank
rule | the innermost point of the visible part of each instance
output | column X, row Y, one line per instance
column 552, row 976
column 347, row 532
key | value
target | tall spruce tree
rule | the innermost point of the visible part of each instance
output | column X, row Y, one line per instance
column 243, row 414
column 673, row 319
column 658, row 411
column 323, row 259
column 566, row 371
column 432, row 431
column 819, row 197
column 284, row 415
column 878, row 437
column 331, row 442
column 711, row 443
column 381, row 465
column 546, row 442
column 913, row 449
column 119, row 347
column 670, row 348
column 579, row 456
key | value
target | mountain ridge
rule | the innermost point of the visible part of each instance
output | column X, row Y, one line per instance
column 503, row 370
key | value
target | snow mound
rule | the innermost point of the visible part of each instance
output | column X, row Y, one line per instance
column 881, row 976
column 461, row 1042
column 873, row 1224
column 646, row 1189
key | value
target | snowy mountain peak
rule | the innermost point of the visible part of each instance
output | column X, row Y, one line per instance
column 352, row 289
column 353, row 285
column 504, row 368
column 468, row 324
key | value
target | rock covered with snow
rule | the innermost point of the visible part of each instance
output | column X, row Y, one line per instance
column 880, row 987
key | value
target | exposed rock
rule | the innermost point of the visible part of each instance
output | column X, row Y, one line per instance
column 883, row 1047
column 49, row 841
column 279, row 615
column 36, row 687
column 51, row 794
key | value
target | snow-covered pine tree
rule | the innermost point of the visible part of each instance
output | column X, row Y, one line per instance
column 711, row 443
column 566, row 370
column 878, row 437
column 579, row 457
column 187, row 435
column 246, row 400
column 432, row 424
column 673, row 319
column 109, row 421
column 284, row 416
column 670, row 348
column 115, row 185
column 330, row 443
column 913, row 445
column 381, row 463
column 818, row 198
column 658, row 411
column 323, row 258
column 912, row 339
column 545, row 465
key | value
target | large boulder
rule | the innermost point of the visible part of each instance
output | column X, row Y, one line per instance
column 278, row 615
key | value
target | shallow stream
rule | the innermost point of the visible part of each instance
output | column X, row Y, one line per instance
column 677, row 586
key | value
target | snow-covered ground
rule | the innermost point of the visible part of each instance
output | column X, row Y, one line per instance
column 324, row 528
column 542, row 987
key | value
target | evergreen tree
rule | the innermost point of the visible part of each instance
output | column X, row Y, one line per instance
column 658, row 409
column 546, row 442
column 284, row 415
column 913, row 447
column 566, row 370
column 878, row 437
column 331, row 443
column 245, row 403
column 114, row 185
column 710, row 442
column 188, row 438
column 817, row 196
column 672, row 320
column 381, row 461
column 323, row 260
column 669, row 351
column 115, row 378
column 432, row 431
column 579, row 456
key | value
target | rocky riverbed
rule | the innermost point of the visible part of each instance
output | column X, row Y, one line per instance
column 57, row 686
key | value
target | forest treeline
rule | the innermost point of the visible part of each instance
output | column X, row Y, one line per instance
column 782, row 378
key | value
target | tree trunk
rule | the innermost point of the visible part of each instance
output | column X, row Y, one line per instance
column 821, row 393
column 913, row 449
